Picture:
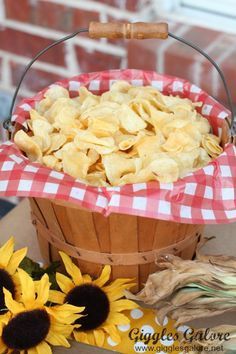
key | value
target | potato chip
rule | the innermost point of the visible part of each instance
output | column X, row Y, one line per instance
column 129, row 120
column 129, row 134
column 160, row 119
column 101, row 110
column 71, row 147
column 173, row 125
column 126, row 141
column 210, row 143
column 89, row 102
column 113, row 96
column 140, row 177
column 186, row 161
column 179, row 141
column 149, row 145
column 57, row 141
column 41, row 127
column 28, row 145
column 203, row 159
column 34, row 115
column 165, row 169
column 120, row 86
column 93, row 156
column 63, row 110
column 143, row 108
column 55, row 92
column 202, row 125
column 116, row 166
column 191, row 130
column 75, row 164
column 84, row 93
column 87, row 140
column 97, row 179
column 52, row 162
column 103, row 127
column 42, row 141
column 43, row 106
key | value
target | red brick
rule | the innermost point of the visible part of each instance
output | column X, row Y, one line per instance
column 18, row 10
column 0, row 68
column 35, row 79
column 96, row 61
column 142, row 55
column 81, row 18
column 229, row 69
column 136, row 5
column 28, row 45
column 114, row 3
column 47, row 14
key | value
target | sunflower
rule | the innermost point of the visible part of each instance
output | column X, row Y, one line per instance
column 9, row 262
column 30, row 326
column 103, row 304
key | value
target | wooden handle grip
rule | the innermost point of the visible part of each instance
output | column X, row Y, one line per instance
column 137, row 30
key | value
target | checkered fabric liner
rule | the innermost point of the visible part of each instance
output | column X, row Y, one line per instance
column 206, row 196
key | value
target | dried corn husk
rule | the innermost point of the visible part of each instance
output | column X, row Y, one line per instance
column 186, row 290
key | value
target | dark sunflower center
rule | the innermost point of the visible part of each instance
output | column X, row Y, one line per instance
column 26, row 330
column 96, row 304
column 7, row 283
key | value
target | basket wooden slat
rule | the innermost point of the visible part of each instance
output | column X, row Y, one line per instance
column 69, row 228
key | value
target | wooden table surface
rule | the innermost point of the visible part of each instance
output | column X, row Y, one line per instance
column 17, row 223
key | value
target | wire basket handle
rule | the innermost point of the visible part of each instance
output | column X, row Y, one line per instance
column 116, row 30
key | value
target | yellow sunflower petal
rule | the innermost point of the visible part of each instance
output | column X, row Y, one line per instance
column 122, row 305
column 99, row 336
column 65, row 283
column 57, row 297
column 91, row 338
column 14, row 306
column 81, row 337
column 66, row 313
column 27, row 289
column 3, row 347
column 117, row 319
column 6, row 252
column 104, row 277
column 32, row 351
column 87, row 278
column 117, row 288
column 59, row 328
column 4, row 319
column 15, row 260
column 43, row 290
column 43, row 348
column 113, row 333
column 57, row 340
column 72, row 269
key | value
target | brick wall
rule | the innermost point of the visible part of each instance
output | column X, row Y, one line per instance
column 27, row 26
column 174, row 58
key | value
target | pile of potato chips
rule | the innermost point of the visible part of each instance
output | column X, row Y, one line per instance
column 126, row 135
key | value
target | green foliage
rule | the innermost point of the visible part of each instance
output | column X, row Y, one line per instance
column 36, row 271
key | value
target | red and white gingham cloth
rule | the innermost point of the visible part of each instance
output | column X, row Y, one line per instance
column 203, row 197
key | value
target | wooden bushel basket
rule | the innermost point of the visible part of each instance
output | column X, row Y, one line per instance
column 128, row 243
